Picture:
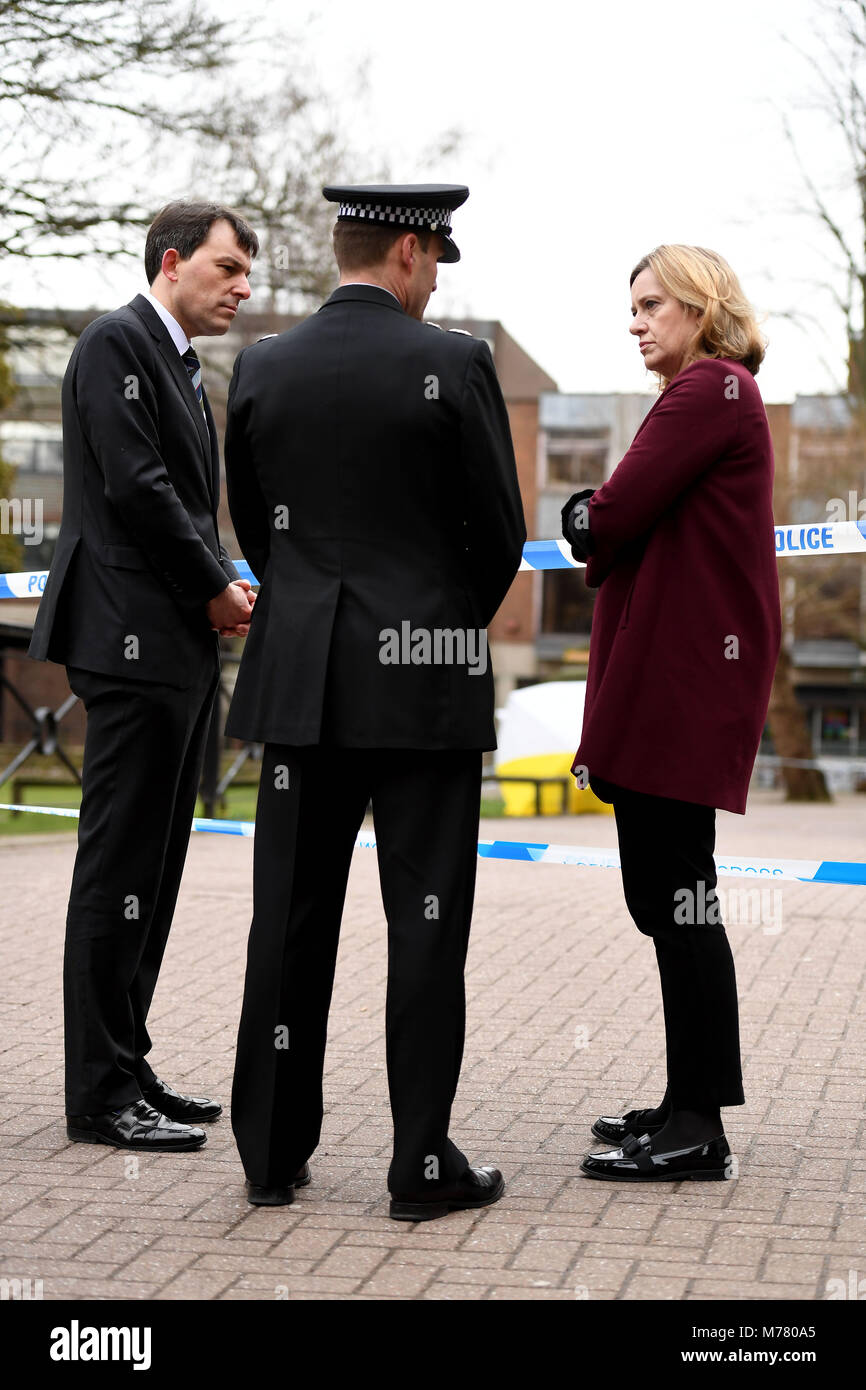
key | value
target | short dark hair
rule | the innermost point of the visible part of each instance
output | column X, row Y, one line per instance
column 361, row 244
column 184, row 226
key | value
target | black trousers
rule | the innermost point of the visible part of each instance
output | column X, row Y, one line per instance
column 666, row 849
column 310, row 807
column 143, row 757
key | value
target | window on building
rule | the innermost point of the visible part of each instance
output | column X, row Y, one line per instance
column 566, row 603
column 577, row 459
column 830, row 609
column 39, row 455
column 837, row 729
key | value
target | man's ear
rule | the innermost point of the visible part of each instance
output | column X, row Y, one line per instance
column 169, row 264
column 409, row 244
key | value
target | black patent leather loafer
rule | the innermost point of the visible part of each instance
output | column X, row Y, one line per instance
column 612, row 1129
column 278, row 1196
column 478, row 1187
column 636, row 1162
column 187, row 1109
column 137, row 1126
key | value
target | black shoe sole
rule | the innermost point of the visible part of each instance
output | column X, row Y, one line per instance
column 273, row 1201
column 429, row 1211
column 695, row 1175
column 87, row 1136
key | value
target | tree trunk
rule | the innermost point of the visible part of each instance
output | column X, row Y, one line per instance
column 791, row 737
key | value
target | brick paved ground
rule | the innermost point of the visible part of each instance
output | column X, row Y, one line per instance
column 554, row 960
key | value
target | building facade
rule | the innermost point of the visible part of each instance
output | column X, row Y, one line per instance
column 31, row 440
column 563, row 443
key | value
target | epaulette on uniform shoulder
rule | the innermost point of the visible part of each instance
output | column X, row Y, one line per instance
column 464, row 331
column 266, row 336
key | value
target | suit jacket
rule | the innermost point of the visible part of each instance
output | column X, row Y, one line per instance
column 138, row 554
column 373, row 489
column 687, row 624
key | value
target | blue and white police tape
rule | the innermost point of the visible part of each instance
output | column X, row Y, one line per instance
column 30, row 583
column 834, row 538
column 580, row 856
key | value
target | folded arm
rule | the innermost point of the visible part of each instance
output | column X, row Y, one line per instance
column 690, row 428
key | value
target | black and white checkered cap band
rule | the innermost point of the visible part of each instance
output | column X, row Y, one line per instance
column 431, row 218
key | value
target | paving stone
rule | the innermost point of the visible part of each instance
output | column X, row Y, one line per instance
column 180, row 1228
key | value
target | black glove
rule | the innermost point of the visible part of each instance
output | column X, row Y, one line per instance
column 575, row 524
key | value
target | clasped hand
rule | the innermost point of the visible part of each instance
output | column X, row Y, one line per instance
column 229, row 613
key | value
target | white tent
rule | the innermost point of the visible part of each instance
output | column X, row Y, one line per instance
column 539, row 730
column 541, row 719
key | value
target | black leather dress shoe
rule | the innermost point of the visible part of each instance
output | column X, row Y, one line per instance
column 478, row 1187
column 187, row 1109
column 278, row 1196
column 136, row 1126
column 636, row 1162
column 612, row 1129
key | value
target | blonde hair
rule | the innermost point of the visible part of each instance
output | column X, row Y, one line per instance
column 703, row 280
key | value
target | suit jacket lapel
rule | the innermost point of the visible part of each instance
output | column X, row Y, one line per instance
column 177, row 367
column 213, row 455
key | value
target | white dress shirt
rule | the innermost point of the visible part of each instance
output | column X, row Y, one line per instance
column 178, row 337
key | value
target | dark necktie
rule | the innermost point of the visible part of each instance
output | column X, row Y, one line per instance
column 193, row 366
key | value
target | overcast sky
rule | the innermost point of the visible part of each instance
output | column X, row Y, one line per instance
column 590, row 134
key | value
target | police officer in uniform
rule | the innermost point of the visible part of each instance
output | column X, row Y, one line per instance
column 373, row 489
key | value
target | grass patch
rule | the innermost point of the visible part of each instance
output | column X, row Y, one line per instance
column 63, row 796
column 240, row 804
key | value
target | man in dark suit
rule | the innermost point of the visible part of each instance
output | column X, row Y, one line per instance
column 138, row 593
column 373, row 489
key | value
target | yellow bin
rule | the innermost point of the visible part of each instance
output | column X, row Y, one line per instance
column 520, row 799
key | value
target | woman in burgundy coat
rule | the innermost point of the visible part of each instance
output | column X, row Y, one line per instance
column 685, row 637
